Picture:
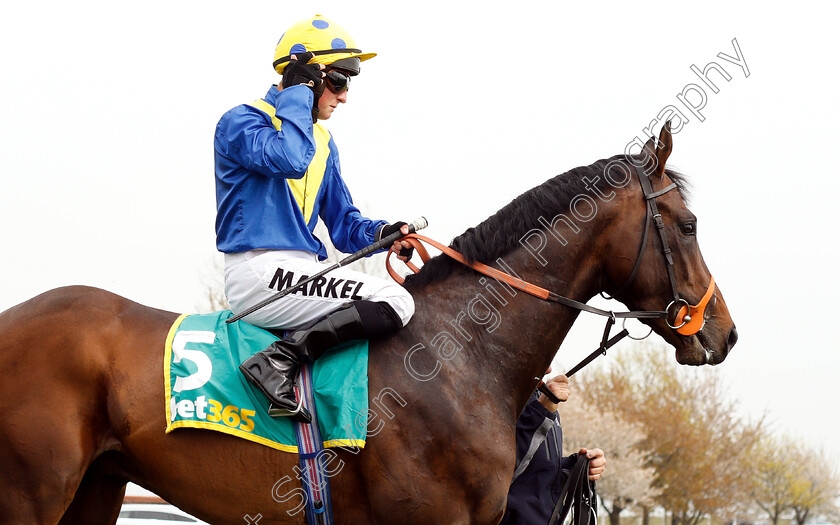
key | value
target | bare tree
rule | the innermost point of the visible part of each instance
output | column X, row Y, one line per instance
column 213, row 275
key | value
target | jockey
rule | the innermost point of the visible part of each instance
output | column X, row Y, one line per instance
column 277, row 172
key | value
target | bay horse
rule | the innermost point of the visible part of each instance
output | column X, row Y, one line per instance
column 81, row 400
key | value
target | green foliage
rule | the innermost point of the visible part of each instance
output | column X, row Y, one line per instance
column 790, row 477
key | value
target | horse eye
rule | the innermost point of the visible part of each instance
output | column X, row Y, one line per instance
column 689, row 228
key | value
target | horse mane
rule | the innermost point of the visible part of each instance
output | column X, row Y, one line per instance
column 500, row 233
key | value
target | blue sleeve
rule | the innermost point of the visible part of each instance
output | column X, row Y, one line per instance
column 246, row 137
column 568, row 462
column 349, row 230
column 529, row 421
column 529, row 498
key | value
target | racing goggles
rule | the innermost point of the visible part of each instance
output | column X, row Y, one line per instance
column 337, row 81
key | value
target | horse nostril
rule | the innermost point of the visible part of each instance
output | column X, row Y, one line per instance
column 732, row 339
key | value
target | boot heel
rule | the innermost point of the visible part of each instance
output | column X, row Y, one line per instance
column 299, row 414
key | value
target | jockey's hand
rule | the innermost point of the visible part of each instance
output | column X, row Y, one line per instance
column 402, row 249
column 597, row 462
column 297, row 72
column 559, row 386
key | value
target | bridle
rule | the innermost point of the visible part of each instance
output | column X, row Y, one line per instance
column 691, row 318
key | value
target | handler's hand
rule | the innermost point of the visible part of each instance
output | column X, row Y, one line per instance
column 559, row 385
column 597, row 462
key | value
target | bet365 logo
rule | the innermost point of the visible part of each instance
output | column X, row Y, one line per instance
column 230, row 415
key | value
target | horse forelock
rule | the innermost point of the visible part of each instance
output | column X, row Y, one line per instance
column 683, row 185
column 500, row 233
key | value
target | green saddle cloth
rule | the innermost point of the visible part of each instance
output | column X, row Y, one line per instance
column 205, row 389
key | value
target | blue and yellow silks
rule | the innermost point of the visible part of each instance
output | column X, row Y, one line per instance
column 269, row 159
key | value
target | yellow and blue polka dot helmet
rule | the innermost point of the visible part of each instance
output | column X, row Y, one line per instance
column 328, row 41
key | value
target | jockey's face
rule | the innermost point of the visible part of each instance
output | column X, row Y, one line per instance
column 328, row 102
column 331, row 96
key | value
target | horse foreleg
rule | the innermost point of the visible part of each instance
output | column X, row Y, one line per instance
column 98, row 498
column 43, row 461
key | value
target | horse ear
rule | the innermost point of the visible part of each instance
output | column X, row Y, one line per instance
column 666, row 143
column 658, row 150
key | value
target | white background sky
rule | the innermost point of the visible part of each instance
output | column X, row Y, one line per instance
column 108, row 111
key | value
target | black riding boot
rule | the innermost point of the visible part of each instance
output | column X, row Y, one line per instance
column 274, row 370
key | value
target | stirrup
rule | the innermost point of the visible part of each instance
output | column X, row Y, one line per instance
column 299, row 414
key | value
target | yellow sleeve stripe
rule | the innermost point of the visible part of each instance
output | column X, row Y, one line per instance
column 305, row 190
column 269, row 110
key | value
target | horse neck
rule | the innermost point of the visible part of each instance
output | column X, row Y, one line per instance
column 508, row 337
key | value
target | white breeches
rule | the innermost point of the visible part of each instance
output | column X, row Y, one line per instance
column 254, row 276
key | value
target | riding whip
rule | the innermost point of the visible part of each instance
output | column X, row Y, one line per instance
column 418, row 224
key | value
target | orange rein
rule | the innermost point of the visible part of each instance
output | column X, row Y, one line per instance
column 695, row 313
column 416, row 241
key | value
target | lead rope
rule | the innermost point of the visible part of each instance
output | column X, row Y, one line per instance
column 606, row 343
column 578, row 496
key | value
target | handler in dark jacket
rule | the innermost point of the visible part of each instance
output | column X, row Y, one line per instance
column 537, row 481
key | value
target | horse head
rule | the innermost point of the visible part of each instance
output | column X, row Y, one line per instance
column 657, row 264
